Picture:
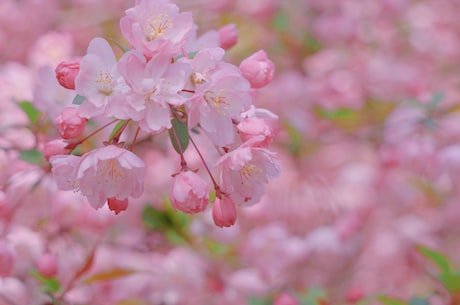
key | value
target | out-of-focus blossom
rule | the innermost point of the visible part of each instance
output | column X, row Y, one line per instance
column 258, row 69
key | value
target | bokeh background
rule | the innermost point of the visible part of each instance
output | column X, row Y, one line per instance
column 366, row 210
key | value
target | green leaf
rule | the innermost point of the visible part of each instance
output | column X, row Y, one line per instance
column 281, row 21
column 78, row 99
column 258, row 301
column 390, row 301
column 116, row 129
column 296, row 138
column 436, row 257
column 179, row 136
column 313, row 297
column 343, row 113
column 48, row 284
column 29, row 109
column 32, row 156
column 451, row 281
column 418, row 301
column 109, row 275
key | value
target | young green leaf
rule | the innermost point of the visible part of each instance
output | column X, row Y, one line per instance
column 108, row 275
column 32, row 156
column 78, row 99
column 436, row 257
column 451, row 281
column 418, row 301
column 390, row 301
column 29, row 109
column 179, row 136
column 48, row 284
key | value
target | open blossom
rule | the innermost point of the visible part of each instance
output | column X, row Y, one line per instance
column 189, row 193
column 219, row 99
column 99, row 81
column 258, row 69
column 101, row 174
column 246, row 170
column 156, row 26
column 154, row 86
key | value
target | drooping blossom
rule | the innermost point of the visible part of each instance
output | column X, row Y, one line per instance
column 101, row 174
column 224, row 212
column 246, row 170
column 189, row 193
column 228, row 36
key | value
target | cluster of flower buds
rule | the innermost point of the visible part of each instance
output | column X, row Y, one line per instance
column 169, row 79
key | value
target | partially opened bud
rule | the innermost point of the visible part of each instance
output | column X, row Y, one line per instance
column 47, row 265
column 228, row 36
column 250, row 128
column 117, row 205
column 69, row 123
column 224, row 212
column 66, row 72
column 189, row 193
column 258, row 69
column 55, row 147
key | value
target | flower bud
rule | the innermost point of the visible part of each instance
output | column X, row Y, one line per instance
column 117, row 205
column 224, row 212
column 228, row 36
column 258, row 69
column 55, row 147
column 69, row 123
column 66, row 72
column 189, row 193
column 47, row 265
column 285, row 299
column 6, row 260
column 250, row 128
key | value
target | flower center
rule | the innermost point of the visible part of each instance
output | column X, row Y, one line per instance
column 157, row 27
column 217, row 101
column 249, row 172
column 104, row 83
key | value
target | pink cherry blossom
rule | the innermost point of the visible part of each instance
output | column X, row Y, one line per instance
column 258, row 69
column 189, row 193
column 254, row 127
column 69, row 123
column 99, row 81
column 103, row 173
column 154, row 26
column 217, row 101
column 55, row 147
column 6, row 259
column 224, row 212
column 66, row 72
column 246, row 170
column 285, row 299
column 155, row 86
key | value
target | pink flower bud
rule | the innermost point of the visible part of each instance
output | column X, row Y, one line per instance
column 69, row 123
column 258, row 69
column 117, row 205
column 250, row 128
column 285, row 299
column 55, row 147
column 47, row 265
column 6, row 260
column 189, row 193
column 228, row 36
column 224, row 212
column 66, row 72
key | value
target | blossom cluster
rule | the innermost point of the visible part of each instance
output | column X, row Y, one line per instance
column 167, row 79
